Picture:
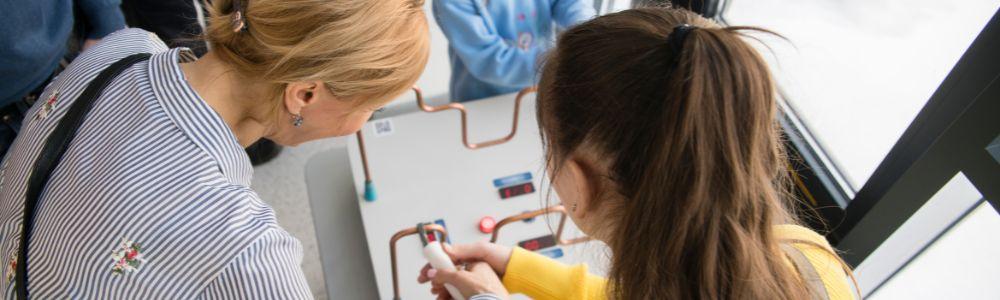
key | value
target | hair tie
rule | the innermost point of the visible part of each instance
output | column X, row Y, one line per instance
column 237, row 21
column 678, row 36
column 675, row 40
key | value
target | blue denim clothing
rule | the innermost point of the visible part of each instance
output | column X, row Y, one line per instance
column 33, row 35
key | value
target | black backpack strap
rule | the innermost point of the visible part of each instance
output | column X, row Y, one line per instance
column 52, row 151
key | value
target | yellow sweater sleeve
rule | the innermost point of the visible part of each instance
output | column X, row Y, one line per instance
column 543, row 278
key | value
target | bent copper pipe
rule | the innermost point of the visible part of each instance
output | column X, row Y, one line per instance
column 493, row 239
column 370, row 186
column 392, row 251
column 531, row 214
column 465, row 127
column 364, row 156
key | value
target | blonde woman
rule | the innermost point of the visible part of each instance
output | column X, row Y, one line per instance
column 129, row 179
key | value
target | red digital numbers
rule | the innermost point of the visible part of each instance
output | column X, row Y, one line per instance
column 531, row 245
column 517, row 190
column 538, row 243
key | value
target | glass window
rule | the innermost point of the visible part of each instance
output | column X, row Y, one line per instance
column 936, row 217
column 962, row 264
column 858, row 71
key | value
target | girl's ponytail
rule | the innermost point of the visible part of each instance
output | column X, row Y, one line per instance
column 686, row 115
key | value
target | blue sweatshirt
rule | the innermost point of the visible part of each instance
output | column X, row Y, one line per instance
column 494, row 45
column 33, row 36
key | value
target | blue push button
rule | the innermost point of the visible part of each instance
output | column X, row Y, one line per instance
column 441, row 222
column 552, row 253
column 512, row 180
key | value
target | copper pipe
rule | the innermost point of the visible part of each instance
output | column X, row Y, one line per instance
column 364, row 156
column 465, row 127
column 369, row 193
column 496, row 230
column 392, row 251
column 535, row 213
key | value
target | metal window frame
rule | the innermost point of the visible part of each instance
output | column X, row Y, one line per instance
column 949, row 135
column 956, row 132
column 820, row 187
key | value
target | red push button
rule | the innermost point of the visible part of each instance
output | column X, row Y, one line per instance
column 486, row 224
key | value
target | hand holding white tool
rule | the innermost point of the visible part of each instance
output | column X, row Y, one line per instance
column 435, row 255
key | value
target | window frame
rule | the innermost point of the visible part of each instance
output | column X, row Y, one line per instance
column 951, row 134
column 954, row 133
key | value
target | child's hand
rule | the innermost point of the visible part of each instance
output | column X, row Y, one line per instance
column 495, row 255
column 486, row 262
column 478, row 278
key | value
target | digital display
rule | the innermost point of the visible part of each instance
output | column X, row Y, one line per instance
column 517, row 190
column 538, row 243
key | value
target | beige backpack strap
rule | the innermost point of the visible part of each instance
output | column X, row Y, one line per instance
column 808, row 273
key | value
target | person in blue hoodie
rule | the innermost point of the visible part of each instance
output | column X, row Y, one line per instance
column 494, row 45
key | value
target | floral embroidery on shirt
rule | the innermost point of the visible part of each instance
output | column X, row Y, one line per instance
column 12, row 266
column 128, row 257
column 48, row 106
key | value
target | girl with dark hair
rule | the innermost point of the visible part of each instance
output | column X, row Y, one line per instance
column 661, row 140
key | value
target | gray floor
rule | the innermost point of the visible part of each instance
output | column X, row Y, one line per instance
column 281, row 183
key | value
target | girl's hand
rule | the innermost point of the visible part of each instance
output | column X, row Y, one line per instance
column 478, row 278
column 496, row 256
column 487, row 262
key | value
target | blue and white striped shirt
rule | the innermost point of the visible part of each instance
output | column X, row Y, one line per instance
column 152, row 198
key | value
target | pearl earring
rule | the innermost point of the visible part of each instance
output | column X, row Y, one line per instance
column 573, row 209
column 297, row 120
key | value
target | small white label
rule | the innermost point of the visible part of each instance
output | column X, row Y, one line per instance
column 383, row 127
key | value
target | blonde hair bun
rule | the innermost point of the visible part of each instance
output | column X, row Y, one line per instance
column 372, row 49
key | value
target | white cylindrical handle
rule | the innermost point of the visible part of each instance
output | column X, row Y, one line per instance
column 439, row 260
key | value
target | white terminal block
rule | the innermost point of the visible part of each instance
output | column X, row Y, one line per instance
column 434, row 253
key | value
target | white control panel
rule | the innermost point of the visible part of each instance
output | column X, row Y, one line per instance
column 422, row 172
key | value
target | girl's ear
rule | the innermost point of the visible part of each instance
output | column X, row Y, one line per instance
column 581, row 178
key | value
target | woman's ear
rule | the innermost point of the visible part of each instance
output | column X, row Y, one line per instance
column 298, row 95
